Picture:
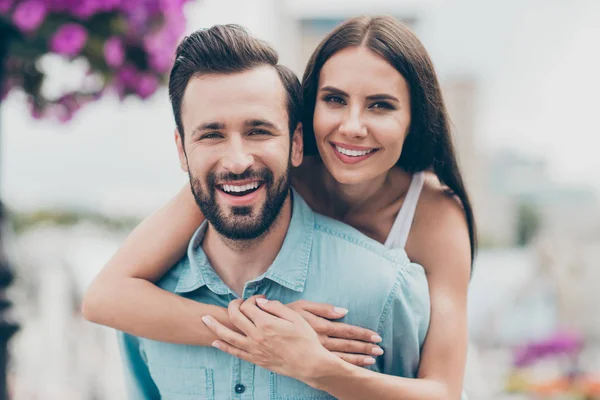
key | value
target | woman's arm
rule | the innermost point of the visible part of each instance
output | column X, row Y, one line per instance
column 275, row 331
column 123, row 296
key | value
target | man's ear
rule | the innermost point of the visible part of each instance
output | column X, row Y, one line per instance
column 297, row 146
column 181, row 151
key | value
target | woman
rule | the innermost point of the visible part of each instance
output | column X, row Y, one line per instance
column 377, row 127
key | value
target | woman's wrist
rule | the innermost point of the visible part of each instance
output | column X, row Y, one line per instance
column 329, row 368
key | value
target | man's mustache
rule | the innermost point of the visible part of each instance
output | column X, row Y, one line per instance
column 263, row 174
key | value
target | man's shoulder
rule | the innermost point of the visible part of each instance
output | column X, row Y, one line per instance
column 170, row 280
column 338, row 235
column 363, row 265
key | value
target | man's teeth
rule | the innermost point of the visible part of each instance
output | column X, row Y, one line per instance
column 353, row 153
column 240, row 188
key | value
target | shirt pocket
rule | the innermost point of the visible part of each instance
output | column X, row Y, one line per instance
column 183, row 383
column 285, row 388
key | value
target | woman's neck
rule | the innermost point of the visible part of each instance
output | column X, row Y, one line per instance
column 350, row 198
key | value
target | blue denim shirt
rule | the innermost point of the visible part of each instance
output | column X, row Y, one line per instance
column 321, row 260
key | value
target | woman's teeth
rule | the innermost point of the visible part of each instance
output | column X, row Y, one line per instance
column 353, row 153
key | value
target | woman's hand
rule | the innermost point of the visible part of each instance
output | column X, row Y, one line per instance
column 351, row 343
column 281, row 339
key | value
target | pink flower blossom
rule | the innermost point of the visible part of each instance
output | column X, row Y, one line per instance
column 69, row 39
column 29, row 15
column 147, row 85
column 114, row 53
column 161, row 62
column 128, row 77
column 5, row 6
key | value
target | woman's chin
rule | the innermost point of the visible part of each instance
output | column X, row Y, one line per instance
column 349, row 177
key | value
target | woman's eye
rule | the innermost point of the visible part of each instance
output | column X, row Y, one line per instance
column 334, row 99
column 382, row 105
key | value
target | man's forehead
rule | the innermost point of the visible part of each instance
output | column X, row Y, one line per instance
column 253, row 94
column 259, row 84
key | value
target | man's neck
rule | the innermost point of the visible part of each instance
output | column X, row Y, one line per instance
column 239, row 261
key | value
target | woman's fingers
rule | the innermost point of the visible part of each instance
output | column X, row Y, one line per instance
column 277, row 309
column 340, row 329
column 234, row 351
column 320, row 309
column 351, row 346
column 256, row 315
column 237, row 318
column 226, row 334
column 356, row 359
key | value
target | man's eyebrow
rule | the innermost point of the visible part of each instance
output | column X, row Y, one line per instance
column 255, row 123
column 209, row 126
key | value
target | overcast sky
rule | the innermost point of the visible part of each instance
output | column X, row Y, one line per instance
column 536, row 64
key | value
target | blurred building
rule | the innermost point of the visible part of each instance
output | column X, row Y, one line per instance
column 520, row 190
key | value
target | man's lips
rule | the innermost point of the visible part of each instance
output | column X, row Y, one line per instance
column 239, row 183
column 240, row 198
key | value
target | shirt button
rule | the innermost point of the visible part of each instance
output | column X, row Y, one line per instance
column 239, row 388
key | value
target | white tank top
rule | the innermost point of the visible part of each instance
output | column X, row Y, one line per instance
column 399, row 233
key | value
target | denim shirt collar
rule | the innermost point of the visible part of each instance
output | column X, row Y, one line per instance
column 289, row 269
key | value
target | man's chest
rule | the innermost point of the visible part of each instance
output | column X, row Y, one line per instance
column 190, row 372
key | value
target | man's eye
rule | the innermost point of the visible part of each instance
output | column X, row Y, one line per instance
column 211, row 135
column 259, row 132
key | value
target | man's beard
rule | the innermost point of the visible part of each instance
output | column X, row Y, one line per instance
column 242, row 222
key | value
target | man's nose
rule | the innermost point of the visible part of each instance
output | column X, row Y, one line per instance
column 237, row 159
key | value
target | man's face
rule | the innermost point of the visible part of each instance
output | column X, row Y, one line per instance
column 237, row 150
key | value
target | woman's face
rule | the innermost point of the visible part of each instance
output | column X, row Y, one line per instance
column 362, row 115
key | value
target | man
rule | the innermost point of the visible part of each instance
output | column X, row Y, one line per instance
column 238, row 136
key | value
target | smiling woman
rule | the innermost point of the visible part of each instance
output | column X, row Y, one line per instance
column 357, row 119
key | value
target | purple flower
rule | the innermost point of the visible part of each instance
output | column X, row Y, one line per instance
column 128, row 77
column 86, row 8
column 147, row 85
column 161, row 62
column 69, row 39
column 114, row 53
column 5, row 6
column 29, row 15
column 159, row 47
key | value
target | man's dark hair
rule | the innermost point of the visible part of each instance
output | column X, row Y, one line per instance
column 227, row 49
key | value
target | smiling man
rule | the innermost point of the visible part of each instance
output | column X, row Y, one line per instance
column 238, row 136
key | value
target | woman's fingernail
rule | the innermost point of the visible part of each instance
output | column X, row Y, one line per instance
column 262, row 301
column 376, row 338
column 340, row 310
column 207, row 320
column 377, row 351
column 216, row 344
column 369, row 361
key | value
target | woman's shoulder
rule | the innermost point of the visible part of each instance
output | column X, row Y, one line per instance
column 440, row 227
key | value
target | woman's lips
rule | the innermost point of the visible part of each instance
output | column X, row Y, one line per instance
column 352, row 159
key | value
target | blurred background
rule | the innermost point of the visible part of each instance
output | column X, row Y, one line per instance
column 86, row 155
